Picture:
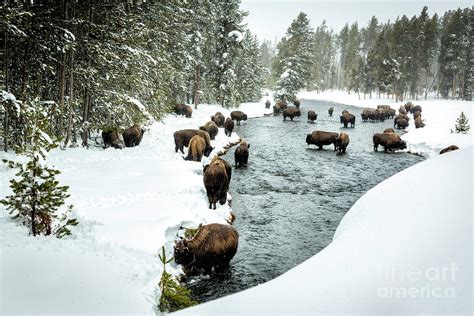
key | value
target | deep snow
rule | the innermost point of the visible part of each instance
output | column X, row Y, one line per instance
column 439, row 115
column 405, row 247
column 129, row 203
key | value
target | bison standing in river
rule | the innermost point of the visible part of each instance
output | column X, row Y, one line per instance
column 213, row 246
column 182, row 138
column 347, row 118
column 216, row 181
column 229, row 126
column 297, row 103
column 312, row 116
column 133, row 136
column 389, row 141
column 241, row 154
column 330, row 111
column 291, row 113
column 211, row 128
column 341, row 143
column 321, row 138
column 238, row 116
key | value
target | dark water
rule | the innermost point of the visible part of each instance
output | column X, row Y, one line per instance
column 290, row 199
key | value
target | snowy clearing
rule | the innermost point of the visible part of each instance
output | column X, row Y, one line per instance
column 439, row 115
column 385, row 258
column 129, row 203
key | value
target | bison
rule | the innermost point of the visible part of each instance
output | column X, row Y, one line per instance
column 133, row 136
column 183, row 109
column 291, row 113
column 211, row 128
column 408, row 106
column 219, row 119
column 196, row 148
column 321, row 138
column 283, row 105
column 341, row 143
column 238, row 116
column 416, row 108
column 389, row 130
column 276, row 109
column 241, row 154
column 182, row 138
column 416, row 115
column 216, row 181
column 330, row 111
column 402, row 110
column 112, row 138
column 312, row 116
column 267, row 104
column 229, row 126
column 401, row 123
column 419, row 122
column 347, row 118
column 297, row 103
column 389, row 141
column 448, row 149
column 213, row 246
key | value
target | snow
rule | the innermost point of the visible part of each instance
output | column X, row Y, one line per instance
column 403, row 248
column 238, row 35
column 439, row 116
column 129, row 203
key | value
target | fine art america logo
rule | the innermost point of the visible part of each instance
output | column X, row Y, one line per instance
column 431, row 282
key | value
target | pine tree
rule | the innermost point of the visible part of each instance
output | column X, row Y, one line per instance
column 37, row 196
column 462, row 125
column 173, row 296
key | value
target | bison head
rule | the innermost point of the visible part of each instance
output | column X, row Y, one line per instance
column 402, row 144
column 308, row 139
column 182, row 253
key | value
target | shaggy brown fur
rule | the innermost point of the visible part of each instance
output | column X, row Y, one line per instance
column 341, row 143
column 402, row 110
column 238, row 116
column 344, row 111
column 401, row 123
column 312, row 116
column 389, row 141
column 416, row 108
column 389, row 130
column 330, row 111
column 347, row 118
column 448, row 149
column 219, row 119
column 182, row 138
column 416, row 115
column 291, row 113
column 111, row 137
column 297, row 103
column 321, row 138
column 241, row 154
column 216, row 181
column 213, row 246
column 133, row 136
column 229, row 126
column 211, row 128
column 408, row 106
column 183, row 109
column 281, row 104
column 196, row 148
column 419, row 122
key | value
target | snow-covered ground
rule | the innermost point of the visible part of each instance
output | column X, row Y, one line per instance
column 129, row 203
column 439, row 116
column 405, row 247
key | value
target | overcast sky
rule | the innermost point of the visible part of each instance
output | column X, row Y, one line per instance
column 270, row 18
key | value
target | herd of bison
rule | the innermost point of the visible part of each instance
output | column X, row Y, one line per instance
column 214, row 245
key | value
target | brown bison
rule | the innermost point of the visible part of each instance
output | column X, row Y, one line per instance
column 112, row 138
column 267, row 104
column 133, row 136
column 330, row 111
column 389, row 130
column 408, row 106
column 416, row 115
column 283, row 105
column 238, row 116
column 321, row 138
column 416, row 108
column 389, row 141
column 401, row 123
column 419, row 122
column 183, row 109
column 291, row 113
column 312, row 116
column 344, row 111
column 219, row 119
column 213, row 246
column 297, row 103
column 341, row 143
column 183, row 137
column 196, row 148
column 276, row 109
column 229, row 126
column 448, row 149
column 402, row 110
column 347, row 118
column 241, row 154
column 216, row 181
column 211, row 128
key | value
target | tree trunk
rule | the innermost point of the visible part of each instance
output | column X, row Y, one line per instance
column 85, row 119
column 197, row 84
column 62, row 78
column 6, row 127
column 71, row 90
column 33, row 206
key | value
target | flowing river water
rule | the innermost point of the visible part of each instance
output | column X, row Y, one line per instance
column 291, row 197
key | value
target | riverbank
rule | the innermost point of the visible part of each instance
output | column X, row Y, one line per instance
column 439, row 115
column 403, row 248
column 129, row 203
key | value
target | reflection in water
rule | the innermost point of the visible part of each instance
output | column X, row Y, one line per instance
column 291, row 197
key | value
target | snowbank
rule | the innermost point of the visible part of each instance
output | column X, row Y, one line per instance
column 129, row 203
column 404, row 247
column 438, row 115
